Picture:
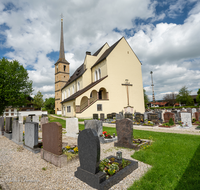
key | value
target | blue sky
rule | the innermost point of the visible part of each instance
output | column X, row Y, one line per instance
column 163, row 34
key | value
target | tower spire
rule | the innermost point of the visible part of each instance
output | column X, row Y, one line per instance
column 62, row 51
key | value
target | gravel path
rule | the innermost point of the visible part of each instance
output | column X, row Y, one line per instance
column 22, row 169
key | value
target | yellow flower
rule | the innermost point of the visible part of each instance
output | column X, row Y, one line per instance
column 23, row 131
column 67, row 147
column 76, row 149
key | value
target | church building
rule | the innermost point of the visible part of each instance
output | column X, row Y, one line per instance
column 109, row 80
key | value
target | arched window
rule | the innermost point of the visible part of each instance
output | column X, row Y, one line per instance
column 96, row 75
column 69, row 92
column 64, row 67
column 78, row 86
column 73, row 89
column 57, row 68
column 99, row 73
column 65, row 93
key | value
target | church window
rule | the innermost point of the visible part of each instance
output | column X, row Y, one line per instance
column 78, row 86
column 57, row 68
column 64, row 67
column 69, row 92
column 99, row 107
column 65, row 93
column 99, row 73
column 96, row 75
column 73, row 89
column 68, row 109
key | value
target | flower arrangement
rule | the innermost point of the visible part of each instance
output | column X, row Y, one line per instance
column 110, row 167
column 106, row 135
column 149, row 123
column 73, row 150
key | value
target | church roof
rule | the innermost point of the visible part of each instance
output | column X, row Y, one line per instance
column 106, row 53
column 79, row 72
column 97, row 52
column 78, row 93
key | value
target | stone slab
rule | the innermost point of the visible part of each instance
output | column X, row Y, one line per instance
column 17, row 133
column 31, row 134
column 104, row 140
column 8, row 135
column 52, row 137
column 8, row 127
column 34, row 150
column 186, row 119
column 1, row 124
column 72, row 127
column 95, row 125
column 57, row 160
column 36, row 118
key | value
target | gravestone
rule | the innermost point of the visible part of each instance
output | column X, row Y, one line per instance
column 139, row 117
column 124, row 129
column 43, row 121
column 102, row 116
column 168, row 115
column 109, row 116
column 119, row 116
column 95, row 125
column 176, row 115
column 193, row 111
column 44, row 115
column 160, row 119
column 1, row 125
column 153, row 117
column 52, row 137
column 89, row 157
column 186, row 119
column 17, row 132
column 36, row 118
column 113, row 114
column 31, row 137
column 28, row 119
column 72, row 127
column 95, row 116
column 8, row 128
column 197, row 116
column 21, row 119
column 146, row 116
column 129, row 116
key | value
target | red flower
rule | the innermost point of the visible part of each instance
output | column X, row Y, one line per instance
column 106, row 135
column 104, row 132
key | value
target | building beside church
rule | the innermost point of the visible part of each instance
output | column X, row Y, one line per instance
column 110, row 80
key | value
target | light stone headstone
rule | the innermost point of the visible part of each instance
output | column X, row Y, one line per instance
column 119, row 116
column 72, row 127
column 94, row 124
column 36, row 118
column 43, row 121
column 28, row 119
column 21, row 119
column 17, row 132
column 31, row 134
column 186, row 119
column 1, row 125
column 193, row 111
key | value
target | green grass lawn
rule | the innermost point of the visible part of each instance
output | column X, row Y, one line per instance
column 175, row 160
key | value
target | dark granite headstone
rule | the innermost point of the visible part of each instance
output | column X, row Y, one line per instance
column 95, row 116
column 95, row 125
column 176, row 115
column 168, row 115
column 124, row 129
column 139, row 117
column 160, row 119
column 129, row 116
column 8, row 128
column 113, row 114
column 44, row 115
column 153, row 117
column 52, row 137
column 1, row 125
column 102, row 116
column 89, row 150
column 109, row 116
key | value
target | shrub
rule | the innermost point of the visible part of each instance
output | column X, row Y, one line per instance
column 171, row 122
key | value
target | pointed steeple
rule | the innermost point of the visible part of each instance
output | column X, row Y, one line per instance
column 62, row 51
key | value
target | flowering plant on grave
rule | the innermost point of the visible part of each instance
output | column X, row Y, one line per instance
column 106, row 135
column 68, row 149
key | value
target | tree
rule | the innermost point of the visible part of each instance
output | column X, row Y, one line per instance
column 170, row 98
column 14, row 84
column 146, row 99
column 184, row 97
column 38, row 100
column 198, row 97
column 49, row 103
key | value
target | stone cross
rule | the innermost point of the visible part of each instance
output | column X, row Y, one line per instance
column 127, row 84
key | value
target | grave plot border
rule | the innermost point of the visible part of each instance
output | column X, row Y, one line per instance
column 99, row 180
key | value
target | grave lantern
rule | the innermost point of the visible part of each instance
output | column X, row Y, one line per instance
column 119, row 155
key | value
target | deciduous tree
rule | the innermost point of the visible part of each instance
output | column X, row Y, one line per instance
column 184, row 97
column 146, row 99
column 170, row 98
column 15, row 85
column 198, row 97
column 49, row 103
column 38, row 100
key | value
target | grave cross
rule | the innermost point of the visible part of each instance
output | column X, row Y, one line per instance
column 127, row 84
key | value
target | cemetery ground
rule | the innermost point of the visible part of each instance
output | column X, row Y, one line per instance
column 174, row 159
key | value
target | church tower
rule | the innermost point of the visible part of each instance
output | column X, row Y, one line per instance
column 61, row 72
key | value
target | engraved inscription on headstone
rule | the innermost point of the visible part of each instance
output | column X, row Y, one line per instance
column 186, row 119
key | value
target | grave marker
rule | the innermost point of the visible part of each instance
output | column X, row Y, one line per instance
column 168, row 115
column 186, row 119
column 102, row 116
column 72, row 127
column 1, row 125
column 95, row 125
column 8, row 128
column 17, row 132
